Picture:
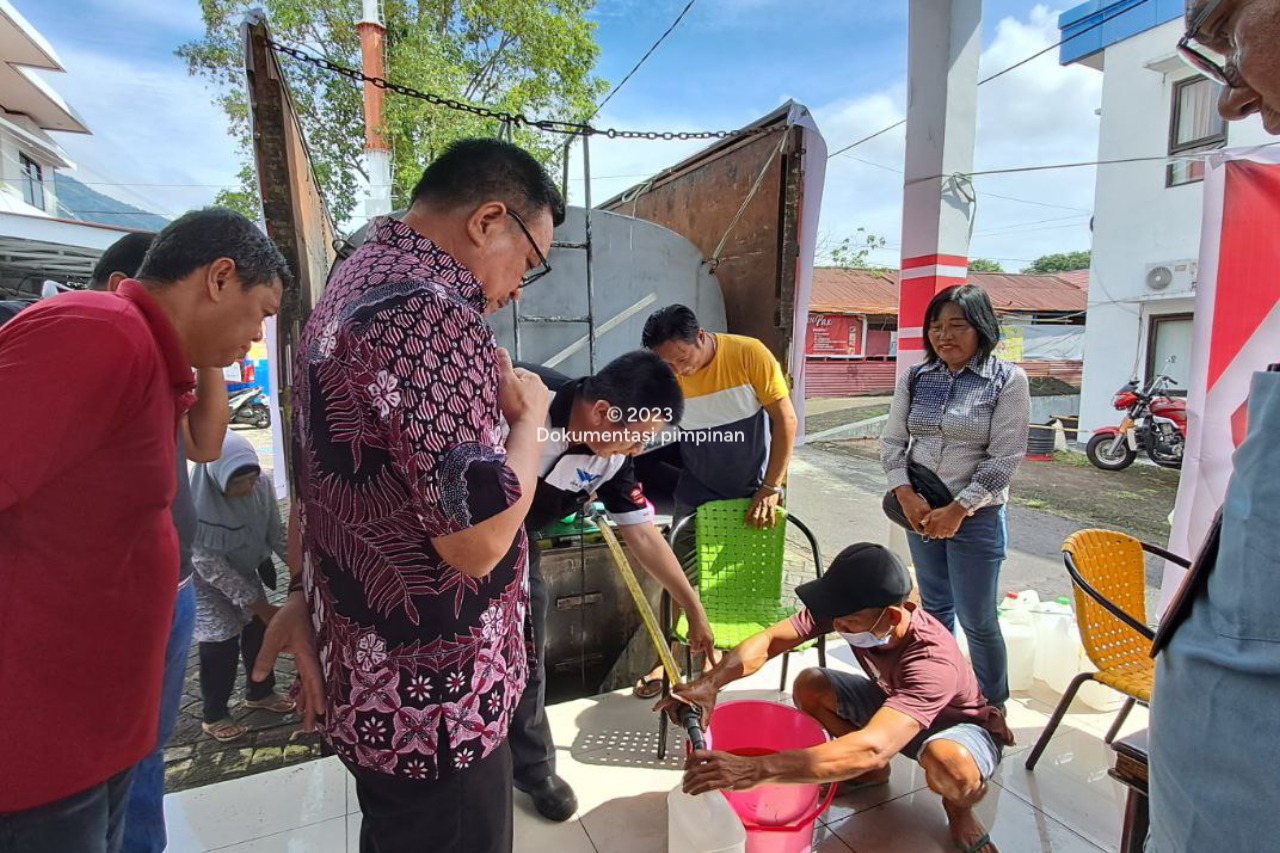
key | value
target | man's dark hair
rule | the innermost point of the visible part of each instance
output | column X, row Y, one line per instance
column 673, row 323
column 124, row 256
column 471, row 172
column 636, row 381
column 199, row 238
column 977, row 309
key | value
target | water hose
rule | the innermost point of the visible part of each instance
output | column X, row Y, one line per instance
column 690, row 717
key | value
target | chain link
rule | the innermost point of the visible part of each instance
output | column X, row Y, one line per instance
column 569, row 128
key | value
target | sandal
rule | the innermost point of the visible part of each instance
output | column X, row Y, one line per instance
column 647, row 688
column 975, row 847
column 275, row 703
column 224, row 731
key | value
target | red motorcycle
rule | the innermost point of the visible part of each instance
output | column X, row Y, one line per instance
column 1153, row 422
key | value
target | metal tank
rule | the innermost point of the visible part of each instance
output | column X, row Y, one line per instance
column 637, row 268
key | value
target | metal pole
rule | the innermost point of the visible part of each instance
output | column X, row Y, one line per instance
column 591, row 287
column 943, row 52
column 515, row 330
column 564, row 166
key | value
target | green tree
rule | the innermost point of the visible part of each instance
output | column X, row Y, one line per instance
column 532, row 57
column 1061, row 262
column 854, row 253
column 984, row 265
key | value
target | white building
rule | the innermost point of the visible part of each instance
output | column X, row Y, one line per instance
column 1146, row 228
column 36, row 243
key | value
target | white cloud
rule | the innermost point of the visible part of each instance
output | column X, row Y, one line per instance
column 181, row 15
column 157, row 139
column 1040, row 113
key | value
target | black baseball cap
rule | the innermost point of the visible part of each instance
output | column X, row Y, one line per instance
column 861, row 577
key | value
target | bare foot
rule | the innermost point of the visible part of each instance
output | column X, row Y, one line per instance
column 870, row 779
column 967, row 832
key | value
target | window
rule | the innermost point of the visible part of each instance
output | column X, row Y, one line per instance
column 32, row 181
column 1195, row 127
column 1170, row 335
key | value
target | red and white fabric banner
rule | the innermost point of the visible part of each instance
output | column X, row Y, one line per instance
column 1236, row 333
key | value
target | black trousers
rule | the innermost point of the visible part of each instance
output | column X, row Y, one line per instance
column 533, row 753
column 218, row 664
column 91, row 821
column 465, row 812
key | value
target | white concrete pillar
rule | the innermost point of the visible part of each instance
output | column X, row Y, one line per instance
column 942, row 111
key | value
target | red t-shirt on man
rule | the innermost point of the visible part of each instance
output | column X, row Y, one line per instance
column 93, row 386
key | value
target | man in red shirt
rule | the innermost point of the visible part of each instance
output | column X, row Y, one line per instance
column 88, row 551
column 917, row 695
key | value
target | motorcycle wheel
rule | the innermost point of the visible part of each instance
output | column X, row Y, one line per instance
column 262, row 417
column 1116, row 460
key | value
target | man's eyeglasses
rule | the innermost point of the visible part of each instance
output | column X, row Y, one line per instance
column 543, row 267
column 1226, row 75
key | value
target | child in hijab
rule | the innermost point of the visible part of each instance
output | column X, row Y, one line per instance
column 239, row 530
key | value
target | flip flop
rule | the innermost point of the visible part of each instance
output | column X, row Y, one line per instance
column 275, row 704
column 851, row 786
column 976, row 847
column 647, row 688
column 224, row 730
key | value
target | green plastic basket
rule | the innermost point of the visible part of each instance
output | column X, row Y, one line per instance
column 740, row 572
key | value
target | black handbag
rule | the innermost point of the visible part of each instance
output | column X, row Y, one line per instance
column 924, row 480
column 267, row 573
column 927, row 484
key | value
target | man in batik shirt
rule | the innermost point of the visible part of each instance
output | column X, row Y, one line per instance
column 411, row 504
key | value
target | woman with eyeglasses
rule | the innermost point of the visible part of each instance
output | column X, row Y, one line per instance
column 963, row 415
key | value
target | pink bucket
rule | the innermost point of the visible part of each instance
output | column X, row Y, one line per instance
column 778, row 818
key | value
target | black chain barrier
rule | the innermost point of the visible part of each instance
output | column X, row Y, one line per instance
column 568, row 128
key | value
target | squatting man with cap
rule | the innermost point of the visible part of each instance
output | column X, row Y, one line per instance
column 917, row 695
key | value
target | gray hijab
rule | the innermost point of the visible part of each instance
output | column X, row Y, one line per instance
column 238, row 529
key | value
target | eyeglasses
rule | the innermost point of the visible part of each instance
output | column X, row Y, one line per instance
column 543, row 267
column 1224, row 74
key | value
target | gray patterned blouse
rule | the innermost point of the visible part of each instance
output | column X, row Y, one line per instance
column 970, row 427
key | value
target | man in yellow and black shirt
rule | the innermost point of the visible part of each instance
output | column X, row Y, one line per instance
column 739, row 425
column 738, row 430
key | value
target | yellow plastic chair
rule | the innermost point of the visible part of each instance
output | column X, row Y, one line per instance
column 1109, row 576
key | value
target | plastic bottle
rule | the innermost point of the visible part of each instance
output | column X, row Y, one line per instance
column 703, row 824
column 1060, row 655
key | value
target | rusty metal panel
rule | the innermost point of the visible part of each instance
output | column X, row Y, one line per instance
column 699, row 201
column 293, row 208
column 855, row 377
column 848, row 378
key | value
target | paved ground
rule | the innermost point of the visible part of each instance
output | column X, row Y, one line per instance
column 193, row 759
column 836, row 489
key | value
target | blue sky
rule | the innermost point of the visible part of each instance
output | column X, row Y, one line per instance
column 160, row 143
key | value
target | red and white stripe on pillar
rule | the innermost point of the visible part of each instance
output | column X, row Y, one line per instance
column 921, row 279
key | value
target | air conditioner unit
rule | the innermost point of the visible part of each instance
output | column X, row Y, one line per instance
column 1171, row 277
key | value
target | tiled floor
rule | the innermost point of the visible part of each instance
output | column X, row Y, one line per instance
column 608, row 753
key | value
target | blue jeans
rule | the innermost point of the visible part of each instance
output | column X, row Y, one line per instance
column 961, row 577
column 144, row 822
column 91, row 821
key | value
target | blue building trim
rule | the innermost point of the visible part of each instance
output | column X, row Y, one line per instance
column 1096, row 25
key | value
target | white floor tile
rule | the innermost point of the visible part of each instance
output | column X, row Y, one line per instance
column 254, row 807
column 327, row 837
column 906, row 778
column 1070, row 784
column 353, row 832
column 533, row 834
column 916, row 823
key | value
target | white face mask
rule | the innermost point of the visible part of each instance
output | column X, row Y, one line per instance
column 867, row 639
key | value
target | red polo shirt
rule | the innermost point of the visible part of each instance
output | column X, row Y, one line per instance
column 92, row 386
